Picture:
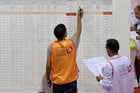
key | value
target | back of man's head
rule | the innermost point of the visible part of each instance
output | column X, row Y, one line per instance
column 60, row 31
column 112, row 44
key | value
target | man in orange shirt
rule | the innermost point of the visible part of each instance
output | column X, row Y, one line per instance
column 61, row 59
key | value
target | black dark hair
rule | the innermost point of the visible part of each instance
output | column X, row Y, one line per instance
column 59, row 31
column 138, row 7
column 112, row 44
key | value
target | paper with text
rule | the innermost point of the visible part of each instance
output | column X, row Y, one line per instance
column 95, row 64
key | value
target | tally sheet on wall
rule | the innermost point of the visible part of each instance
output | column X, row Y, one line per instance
column 26, row 30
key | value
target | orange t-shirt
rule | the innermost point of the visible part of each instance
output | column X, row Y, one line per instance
column 63, row 62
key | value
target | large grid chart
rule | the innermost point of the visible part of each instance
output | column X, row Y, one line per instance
column 26, row 30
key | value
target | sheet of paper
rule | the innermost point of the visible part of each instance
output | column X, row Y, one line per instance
column 95, row 64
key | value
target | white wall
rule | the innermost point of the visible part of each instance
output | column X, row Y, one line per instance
column 24, row 38
column 121, row 24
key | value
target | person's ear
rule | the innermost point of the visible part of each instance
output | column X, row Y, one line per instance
column 108, row 51
column 66, row 34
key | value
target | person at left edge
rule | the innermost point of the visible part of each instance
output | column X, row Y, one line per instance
column 61, row 59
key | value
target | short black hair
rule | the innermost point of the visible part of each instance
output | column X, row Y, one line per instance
column 137, row 7
column 59, row 31
column 113, row 45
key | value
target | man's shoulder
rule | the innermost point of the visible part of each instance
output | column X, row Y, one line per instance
column 126, row 57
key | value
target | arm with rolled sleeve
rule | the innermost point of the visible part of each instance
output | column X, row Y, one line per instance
column 106, row 82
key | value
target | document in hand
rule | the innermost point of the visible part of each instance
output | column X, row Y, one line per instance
column 95, row 64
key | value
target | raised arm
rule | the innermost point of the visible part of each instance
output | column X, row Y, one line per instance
column 79, row 23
